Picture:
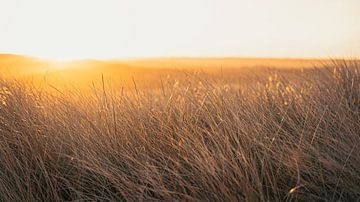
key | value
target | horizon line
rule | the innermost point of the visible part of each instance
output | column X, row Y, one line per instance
column 181, row 57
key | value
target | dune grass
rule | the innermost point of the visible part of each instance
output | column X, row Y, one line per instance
column 286, row 135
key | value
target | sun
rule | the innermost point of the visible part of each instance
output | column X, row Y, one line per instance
column 61, row 64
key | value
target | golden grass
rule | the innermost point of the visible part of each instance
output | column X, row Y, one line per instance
column 255, row 135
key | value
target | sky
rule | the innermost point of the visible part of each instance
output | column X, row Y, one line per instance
column 109, row 29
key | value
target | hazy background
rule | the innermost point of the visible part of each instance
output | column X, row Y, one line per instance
column 75, row 29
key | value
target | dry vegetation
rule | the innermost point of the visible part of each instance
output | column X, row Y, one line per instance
column 255, row 135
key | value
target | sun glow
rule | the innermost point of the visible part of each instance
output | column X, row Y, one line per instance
column 69, row 29
column 60, row 64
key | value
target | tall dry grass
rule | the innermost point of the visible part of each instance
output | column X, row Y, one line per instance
column 284, row 135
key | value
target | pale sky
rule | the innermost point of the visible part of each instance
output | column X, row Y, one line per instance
column 102, row 29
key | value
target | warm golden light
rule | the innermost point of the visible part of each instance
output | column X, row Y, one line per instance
column 75, row 29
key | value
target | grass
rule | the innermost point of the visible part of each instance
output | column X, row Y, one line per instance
column 262, row 135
